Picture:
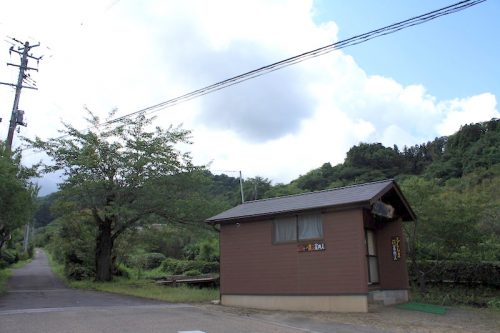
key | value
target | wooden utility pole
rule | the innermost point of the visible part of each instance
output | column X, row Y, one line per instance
column 17, row 116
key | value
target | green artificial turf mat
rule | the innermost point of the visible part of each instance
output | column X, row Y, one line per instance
column 429, row 308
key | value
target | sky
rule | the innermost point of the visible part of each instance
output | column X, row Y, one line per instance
column 405, row 88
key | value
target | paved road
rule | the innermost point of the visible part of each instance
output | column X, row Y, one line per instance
column 38, row 302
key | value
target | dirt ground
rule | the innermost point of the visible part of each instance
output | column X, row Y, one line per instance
column 384, row 319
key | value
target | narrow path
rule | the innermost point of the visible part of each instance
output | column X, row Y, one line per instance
column 34, row 287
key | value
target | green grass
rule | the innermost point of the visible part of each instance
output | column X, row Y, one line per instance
column 56, row 267
column 148, row 289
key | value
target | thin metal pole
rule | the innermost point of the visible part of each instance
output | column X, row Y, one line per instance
column 241, row 189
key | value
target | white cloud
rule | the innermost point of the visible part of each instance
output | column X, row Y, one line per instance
column 132, row 55
column 459, row 112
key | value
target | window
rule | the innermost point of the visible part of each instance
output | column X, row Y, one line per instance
column 285, row 230
column 310, row 226
column 298, row 228
column 371, row 256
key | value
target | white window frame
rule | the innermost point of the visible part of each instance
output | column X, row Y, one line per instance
column 372, row 257
column 298, row 229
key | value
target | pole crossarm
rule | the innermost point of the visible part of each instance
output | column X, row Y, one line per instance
column 17, row 114
column 13, row 85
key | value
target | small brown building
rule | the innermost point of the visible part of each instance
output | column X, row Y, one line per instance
column 332, row 250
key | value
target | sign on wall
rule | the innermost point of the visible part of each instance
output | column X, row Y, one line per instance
column 382, row 209
column 396, row 248
column 311, row 247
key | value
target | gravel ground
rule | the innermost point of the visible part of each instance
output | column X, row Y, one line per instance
column 381, row 318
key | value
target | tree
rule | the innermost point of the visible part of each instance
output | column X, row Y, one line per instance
column 17, row 194
column 255, row 188
column 121, row 173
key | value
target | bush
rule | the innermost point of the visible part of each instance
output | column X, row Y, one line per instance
column 9, row 256
column 153, row 260
column 472, row 273
column 452, row 294
column 77, row 271
column 178, row 267
column 205, row 250
column 192, row 272
column 122, row 270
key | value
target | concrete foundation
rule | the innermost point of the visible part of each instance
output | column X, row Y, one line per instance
column 388, row 297
column 351, row 303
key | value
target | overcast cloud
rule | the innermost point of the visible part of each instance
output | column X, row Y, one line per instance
column 132, row 55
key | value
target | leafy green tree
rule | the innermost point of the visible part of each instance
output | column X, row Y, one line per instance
column 255, row 188
column 121, row 173
column 43, row 215
column 17, row 194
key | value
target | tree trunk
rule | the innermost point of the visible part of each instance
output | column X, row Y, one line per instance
column 422, row 283
column 103, row 250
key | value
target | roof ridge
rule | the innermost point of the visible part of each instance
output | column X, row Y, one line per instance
column 320, row 191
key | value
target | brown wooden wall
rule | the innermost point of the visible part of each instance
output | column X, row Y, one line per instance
column 252, row 265
column 393, row 274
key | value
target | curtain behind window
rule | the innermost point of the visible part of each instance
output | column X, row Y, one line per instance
column 310, row 226
column 285, row 229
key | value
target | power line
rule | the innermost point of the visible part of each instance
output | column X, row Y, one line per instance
column 358, row 39
column 305, row 56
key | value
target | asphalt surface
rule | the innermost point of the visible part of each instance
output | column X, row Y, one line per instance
column 37, row 301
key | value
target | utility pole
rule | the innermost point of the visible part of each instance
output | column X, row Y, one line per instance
column 241, row 189
column 17, row 116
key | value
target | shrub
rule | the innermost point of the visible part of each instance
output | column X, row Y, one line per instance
column 9, row 256
column 206, row 250
column 472, row 273
column 177, row 267
column 153, row 260
column 209, row 250
column 77, row 271
column 192, row 272
column 122, row 270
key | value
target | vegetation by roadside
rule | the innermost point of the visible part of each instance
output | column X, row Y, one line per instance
column 5, row 274
column 148, row 289
column 140, row 287
column 457, row 295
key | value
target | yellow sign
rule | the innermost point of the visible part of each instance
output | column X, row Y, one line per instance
column 396, row 248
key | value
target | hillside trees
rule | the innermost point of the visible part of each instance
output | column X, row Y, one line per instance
column 17, row 194
column 123, row 174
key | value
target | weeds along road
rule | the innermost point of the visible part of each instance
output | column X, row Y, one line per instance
column 37, row 301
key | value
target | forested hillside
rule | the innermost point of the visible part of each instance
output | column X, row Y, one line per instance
column 474, row 148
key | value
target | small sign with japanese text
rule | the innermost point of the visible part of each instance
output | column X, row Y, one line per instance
column 396, row 248
column 311, row 247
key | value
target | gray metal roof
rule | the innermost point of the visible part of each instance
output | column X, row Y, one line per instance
column 361, row 193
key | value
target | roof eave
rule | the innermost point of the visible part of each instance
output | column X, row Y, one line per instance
column 396, row 187
column 351, row 205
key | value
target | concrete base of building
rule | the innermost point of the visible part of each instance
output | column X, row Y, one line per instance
column 352, row 303
column 388, row 297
